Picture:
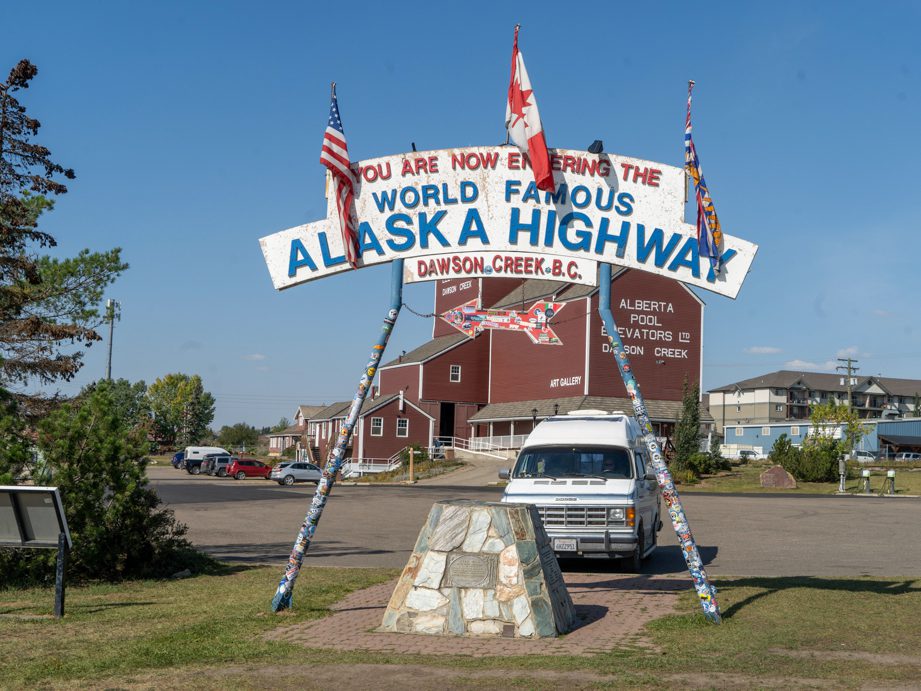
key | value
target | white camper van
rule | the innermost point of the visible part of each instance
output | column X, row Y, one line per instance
column 198, row 453
column 590, row 478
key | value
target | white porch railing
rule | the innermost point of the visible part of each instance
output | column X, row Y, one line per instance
column 487, row 446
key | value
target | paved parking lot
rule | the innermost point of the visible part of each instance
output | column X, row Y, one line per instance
column 780, row 535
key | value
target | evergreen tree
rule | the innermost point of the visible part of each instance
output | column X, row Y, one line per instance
column 48, row 307
column 687, row 431
column 96, row 453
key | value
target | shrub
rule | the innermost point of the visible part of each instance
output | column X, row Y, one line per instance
column 817, row 461
column 820, row 461
column 707, row 463
column 118, row 527
column 420, row 454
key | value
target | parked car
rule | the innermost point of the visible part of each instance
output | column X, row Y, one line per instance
column 216, row 464
column 211, row 464
column 297, row 472
column 242, row 468
column 864, row 457
column 276, row 469
column 178, row 460
column 908, row 457
column 748, row 455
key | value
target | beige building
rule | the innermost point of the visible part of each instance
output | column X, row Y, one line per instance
column 788, row 395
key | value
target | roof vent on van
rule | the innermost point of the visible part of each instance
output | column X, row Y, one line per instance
column 584, row 413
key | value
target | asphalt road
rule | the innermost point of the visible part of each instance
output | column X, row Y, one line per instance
column 256, row 521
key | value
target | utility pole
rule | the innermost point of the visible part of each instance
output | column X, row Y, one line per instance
column 851, row 371
column 113, row 312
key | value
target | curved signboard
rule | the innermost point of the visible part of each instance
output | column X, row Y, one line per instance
column 437, row 208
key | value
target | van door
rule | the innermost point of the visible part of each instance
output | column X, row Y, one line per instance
column 646, row 495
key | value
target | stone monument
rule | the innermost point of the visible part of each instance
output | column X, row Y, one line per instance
column 776, row 476
column 481, row 568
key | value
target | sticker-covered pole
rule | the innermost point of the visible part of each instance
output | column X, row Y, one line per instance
column 282, row 599
column 705, row 591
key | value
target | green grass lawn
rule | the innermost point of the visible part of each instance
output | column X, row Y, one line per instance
column 206, row 632
column 746, row 478
column 111, row 630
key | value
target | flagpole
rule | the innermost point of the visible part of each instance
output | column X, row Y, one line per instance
column 706, row 592
column 686, row 178
column 507, row 133
column 336, row 459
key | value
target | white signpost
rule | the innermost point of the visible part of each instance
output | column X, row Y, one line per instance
column 433, row 208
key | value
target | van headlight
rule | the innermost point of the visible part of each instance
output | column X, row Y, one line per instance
column 616, row 514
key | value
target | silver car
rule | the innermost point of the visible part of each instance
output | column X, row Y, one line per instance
column 288, row 474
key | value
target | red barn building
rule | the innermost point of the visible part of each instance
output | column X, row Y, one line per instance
column 497, row 385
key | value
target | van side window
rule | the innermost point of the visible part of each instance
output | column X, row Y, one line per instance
column 640, row 465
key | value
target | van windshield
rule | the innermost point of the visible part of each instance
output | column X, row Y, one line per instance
column 574, row 461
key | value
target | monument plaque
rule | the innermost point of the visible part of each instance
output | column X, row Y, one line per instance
column 471, row 571
column 481, row 568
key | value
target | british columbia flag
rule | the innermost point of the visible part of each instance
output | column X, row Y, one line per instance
column 709, row 233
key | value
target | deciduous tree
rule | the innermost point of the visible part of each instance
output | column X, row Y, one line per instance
column 182, row 409
column 238, row 435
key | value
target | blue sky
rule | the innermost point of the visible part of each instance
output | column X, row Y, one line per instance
column 195, row 129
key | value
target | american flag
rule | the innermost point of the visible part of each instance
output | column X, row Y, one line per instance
column 335, row 156
column 709, row 234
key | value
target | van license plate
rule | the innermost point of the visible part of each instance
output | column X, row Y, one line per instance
column 564, row 545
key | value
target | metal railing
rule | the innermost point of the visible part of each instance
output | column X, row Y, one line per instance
column 365, row 466
column 486, row 446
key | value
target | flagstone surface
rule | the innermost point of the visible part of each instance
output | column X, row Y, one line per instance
column 611, row 611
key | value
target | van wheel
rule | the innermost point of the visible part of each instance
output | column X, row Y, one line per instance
column 635, row 560
column 240, row 475
column 195, row 469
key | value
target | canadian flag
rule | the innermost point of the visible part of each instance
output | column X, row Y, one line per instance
column 522, row 120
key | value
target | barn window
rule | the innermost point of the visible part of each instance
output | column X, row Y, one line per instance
column 403, row 427
column 377, row 427
column 455, row 375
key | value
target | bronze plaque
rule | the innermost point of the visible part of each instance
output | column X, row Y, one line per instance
column 471, row 571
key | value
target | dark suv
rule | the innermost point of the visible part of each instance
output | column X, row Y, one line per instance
column 212, row 464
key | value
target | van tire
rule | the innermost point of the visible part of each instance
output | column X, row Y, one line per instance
column 195, row 469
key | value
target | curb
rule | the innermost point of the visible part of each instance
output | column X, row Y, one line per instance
column 879, row 496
